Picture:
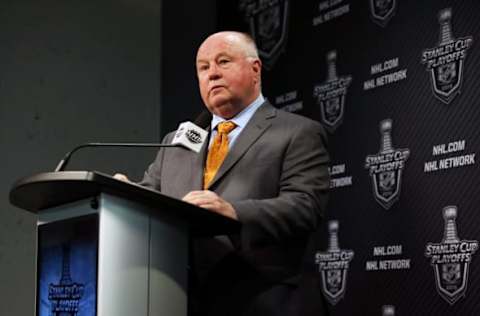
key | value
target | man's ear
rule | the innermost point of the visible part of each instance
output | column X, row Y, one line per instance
column 257, row 68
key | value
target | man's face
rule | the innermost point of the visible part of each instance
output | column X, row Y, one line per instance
column 228, row 80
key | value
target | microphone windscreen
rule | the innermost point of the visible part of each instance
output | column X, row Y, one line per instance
column 190, row 135
column 204, row 119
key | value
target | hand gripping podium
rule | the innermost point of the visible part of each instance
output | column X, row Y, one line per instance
column 111, row 248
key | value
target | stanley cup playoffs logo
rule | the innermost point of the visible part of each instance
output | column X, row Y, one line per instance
column 386, row 168
column 65, row 296
column 451, row 259
column 445, row 62
column 268, row 24
column 333, row 265
column 382, row 11
column 331, row 94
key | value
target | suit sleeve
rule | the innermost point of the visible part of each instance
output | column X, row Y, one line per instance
column 303, row 191
column 152, row 176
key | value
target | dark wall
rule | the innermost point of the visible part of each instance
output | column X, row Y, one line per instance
column 185, row 25
column 70, row 72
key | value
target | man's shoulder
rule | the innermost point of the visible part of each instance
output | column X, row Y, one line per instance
column 288, row 116
column 167, row 139
column 295, row 117
column 296, row 120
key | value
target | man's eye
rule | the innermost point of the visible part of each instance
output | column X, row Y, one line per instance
column 202, row 67
column 223, row 61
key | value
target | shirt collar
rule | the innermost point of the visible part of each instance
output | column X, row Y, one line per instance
column 242, row 118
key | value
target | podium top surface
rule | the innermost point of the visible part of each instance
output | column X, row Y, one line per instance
column 47, row 190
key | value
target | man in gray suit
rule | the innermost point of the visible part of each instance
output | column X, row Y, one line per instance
column 274, row 180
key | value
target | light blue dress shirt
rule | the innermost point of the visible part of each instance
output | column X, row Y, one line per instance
column 241, row 120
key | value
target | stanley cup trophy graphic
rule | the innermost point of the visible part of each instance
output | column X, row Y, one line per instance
column 331, row 94
column 386, row 167
column 445, row 62
column 66, row 295
column 444, row 18
column 450, row 235
column 332, row 66
column 333, row 240
column 451, row 259
column 333, row 266
column 446, row 74
column 385, row 131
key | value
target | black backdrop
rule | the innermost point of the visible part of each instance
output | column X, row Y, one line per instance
column 396, row 85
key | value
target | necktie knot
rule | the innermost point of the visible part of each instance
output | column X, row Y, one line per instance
column 226, row 127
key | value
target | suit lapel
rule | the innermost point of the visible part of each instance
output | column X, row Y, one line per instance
column 257, row 125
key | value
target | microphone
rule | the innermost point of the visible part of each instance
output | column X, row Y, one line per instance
column 63, row 163
column 188, row 135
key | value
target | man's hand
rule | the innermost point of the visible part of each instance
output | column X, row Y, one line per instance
column 121, row 177
column 211, row 201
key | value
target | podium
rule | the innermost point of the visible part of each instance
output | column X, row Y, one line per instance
column 107, row 247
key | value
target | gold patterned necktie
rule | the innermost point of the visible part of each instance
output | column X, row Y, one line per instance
column 217, row 152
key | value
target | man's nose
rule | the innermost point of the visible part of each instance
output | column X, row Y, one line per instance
column 214, row 72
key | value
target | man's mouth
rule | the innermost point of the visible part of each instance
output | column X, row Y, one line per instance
column 216, row 88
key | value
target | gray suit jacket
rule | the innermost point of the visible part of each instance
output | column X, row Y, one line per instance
column 276, row 177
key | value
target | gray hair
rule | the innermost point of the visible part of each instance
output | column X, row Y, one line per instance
column 245, row 41
column 250, row 48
